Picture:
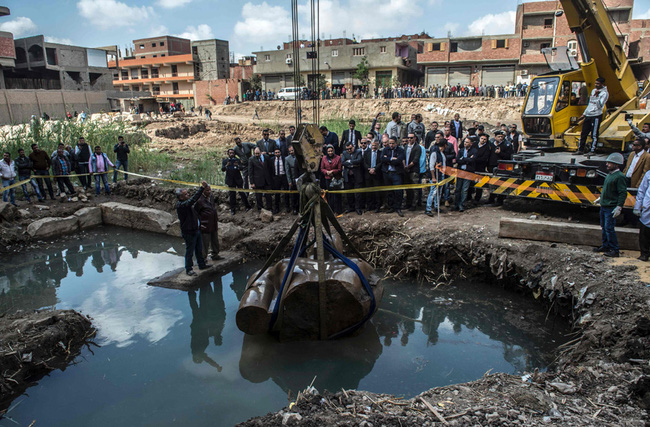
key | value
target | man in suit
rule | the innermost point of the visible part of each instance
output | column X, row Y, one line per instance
column 412, row 169
column 330, row 138
column 466, row 160
column 266, row 144
column 279, row 179
column 293, row 172
column 372, row 176
column 232, row 165
column 244, row 150
column 392, row 161
column 351, row 135
column 283, row 144
column 638, row 163
column 260, row 177
column 501, row 150
column 457, row 128
column 483, row 151
column 352, row 175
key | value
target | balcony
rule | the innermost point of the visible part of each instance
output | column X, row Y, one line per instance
column 158, row 79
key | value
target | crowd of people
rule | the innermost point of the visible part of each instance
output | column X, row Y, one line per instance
column 90, row 164
column 400, row 153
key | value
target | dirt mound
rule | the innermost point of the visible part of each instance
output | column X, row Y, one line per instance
column 33, row 345
column 488, row 110
column 182, row 130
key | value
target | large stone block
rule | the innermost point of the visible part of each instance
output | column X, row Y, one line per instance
column 89, row 217
column 7, row 211
column 50, row 227
column 175, row 229
column 230, row 233
column 147, row 219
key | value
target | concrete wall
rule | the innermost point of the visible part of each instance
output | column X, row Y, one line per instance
column 17, row 106
column 220, row 89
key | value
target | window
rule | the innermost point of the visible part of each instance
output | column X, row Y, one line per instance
column 134, row 74
column 565, row 95
column 267, row 57
column 153, row 44
column 544, row 46
column 382, row 49
column 116, row 76
column 435, row 47
column 579, row 93
column 162, row 54
column 135, row 88
column 174, row 70
column 358, row 51
column 335, row 52
column 548, row 23
column 141, row 46
column 526, row 44
column 572, row 45
column 453, row 47
column 175, row 88
column 125, row 74
column 144, row 73
column 162, row 43
column 501, row 44
column 154, row 56
column 156, row 90
column 154, row 73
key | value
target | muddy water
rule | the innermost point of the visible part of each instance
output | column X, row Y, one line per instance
column 171, row 357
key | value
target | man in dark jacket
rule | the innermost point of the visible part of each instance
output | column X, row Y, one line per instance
column 500, row 150
column 413, row 151
column 293, row 172
column 83, row 153
column 122, row 151
column 260, row 177
column 457, row 128
column 466, row 160
column 24, row 168
column 189, row 222
column 266, row 144
column 42, row 163
column 392, row 161
column 330, row 138
column 351, row 135
column 61, row 167
column 233, row 166
column 483, row 152
column 279, row 180
column 244, row 150
column 372, row 176
column 209, row 225
column 351, row 161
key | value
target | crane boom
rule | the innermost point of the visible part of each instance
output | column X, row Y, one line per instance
column 601, row 48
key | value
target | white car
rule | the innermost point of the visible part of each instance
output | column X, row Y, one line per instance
column 287, row 93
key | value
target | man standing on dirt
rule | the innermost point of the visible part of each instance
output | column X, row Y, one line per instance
column 99, row 164
column 189, row 223
column 233, row 167
column 392, row 160
column 244, row 150
column 593, row 115
column 279, row 179
column 260, row 177
column 457, row 127
column 8, row 172
column 24, row 168
column 83, row 154
column 416, row 127
column 122, row 159
column 41, row 164
column 612, row 199
column 61, row 168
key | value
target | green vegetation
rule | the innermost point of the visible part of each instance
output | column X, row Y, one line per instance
column 363, row 71
column 48, row 135
column 205, row 168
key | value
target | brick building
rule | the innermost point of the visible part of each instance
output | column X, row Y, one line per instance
column 7, row 49
column 511, row 58
column 389, row 61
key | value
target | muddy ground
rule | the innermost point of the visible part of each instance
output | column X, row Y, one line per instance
column 601, row 376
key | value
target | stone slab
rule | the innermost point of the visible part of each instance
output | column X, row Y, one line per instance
column 564, row 232
column 177, row 279
column 136, row 217
column 89, row 217
column 50, row 227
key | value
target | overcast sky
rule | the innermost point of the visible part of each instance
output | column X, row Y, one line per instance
column 252, row 25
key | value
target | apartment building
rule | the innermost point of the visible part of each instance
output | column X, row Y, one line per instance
column 389, row 61
column 511, row 58
column 163, row 66
column 7, row 49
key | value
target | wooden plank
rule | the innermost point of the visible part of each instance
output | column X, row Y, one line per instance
column 565, row 232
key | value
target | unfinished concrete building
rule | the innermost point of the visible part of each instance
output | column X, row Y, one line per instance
column 212, row 59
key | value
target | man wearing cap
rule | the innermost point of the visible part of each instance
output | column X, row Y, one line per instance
column 593, row 115
column 612, row 199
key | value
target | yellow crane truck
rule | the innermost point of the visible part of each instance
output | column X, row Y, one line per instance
column 556, row 100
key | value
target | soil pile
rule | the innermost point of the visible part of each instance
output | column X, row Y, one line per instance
column 32, row 345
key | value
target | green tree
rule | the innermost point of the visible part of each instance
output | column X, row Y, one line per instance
column 256, row 82
column 362, row 71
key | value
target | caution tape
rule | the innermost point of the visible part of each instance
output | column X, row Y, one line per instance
column 528, row 188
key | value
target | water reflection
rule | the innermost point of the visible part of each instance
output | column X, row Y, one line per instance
column 208, row 320
column 293, row 365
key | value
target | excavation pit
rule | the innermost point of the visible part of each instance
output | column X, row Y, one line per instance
column 166, row 355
